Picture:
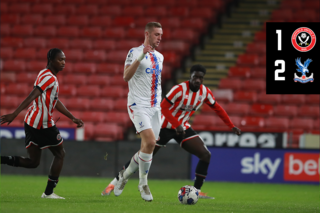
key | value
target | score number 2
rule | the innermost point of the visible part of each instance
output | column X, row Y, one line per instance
column 279, row 62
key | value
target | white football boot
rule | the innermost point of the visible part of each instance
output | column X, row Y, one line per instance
column 145, row 193
column 121, row 183
column 52, row 196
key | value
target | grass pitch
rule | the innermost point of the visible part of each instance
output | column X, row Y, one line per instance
column 22, row 194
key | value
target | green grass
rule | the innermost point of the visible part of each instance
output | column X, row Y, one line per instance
column 22, row 194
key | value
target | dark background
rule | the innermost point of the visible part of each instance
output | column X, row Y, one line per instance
column 289, row 54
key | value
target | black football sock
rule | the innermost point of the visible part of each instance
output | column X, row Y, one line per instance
column 201, row 173
column 52, row 183
column 10, row 160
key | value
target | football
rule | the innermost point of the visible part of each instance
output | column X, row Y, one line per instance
column 188, row 195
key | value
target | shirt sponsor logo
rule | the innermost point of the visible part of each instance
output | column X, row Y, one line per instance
column 153, row 71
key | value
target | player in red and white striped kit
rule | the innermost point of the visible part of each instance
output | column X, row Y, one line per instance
column 39, row 126
column 177, row 108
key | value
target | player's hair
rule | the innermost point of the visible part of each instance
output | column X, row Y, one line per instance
column 199, row 68
column 51, row 55
column 151, row 25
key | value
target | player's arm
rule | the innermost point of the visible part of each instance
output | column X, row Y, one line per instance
column 62, row 109
column 36, row 92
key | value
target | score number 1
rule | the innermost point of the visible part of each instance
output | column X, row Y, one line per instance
column 279, row 62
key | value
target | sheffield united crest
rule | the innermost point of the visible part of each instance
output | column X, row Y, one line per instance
column 303, row 39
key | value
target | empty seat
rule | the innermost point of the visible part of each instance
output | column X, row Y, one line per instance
column 6, row 53
column 140, row 22
column 166, row 3
column 245, row 96
column 133, row 10
column 78, row 20
column 67, row 90
column 123, row 21
column 170, row 22
column 248, row 59
column 258, row 73
column 223, row 95
column 135, row 33
column 195, row 23
column 78, row 103
column 102, row 21
column 118, row 80
column 261, row 110
column 88, row 91
column 22, row 30
column 285, row 110
column 117, row 56
column 204, row 13
column 81, row 43
column 69, row 67
column 112, row 10
column 203, row 122
column 21, row 89
column 260, row 36
column 227, row 83
column 283, row 14
column 114, row 32
column 34, row 19
column 11, row 42
column 239, row 72
column 94, row 117
column 239, row 109
column 264, row 98
column 28, row 78
column 309, row 14
column 104, row 104
column 256, row 47
column 311, row 5
column 95, row 55
column 309, row 111
column 9, row 102
column 8, row 77
column 113, row 92
column 127, row 44
column 293, row 99
column 36, row 66
column 42, row 8
column 121, row 105
column 76, row 1
column 292, row 4
column 87, row 9
column 55, row 19
column 277, row 123
column 76, row 79
column 110, row 68
column 5, row 30
column 73, row 54
column 180, row 11
column 10, row 18
column 45, row 31
column 35, row 42
column 104, row 44
column 3, row 7
column 185, row 35
column 14, row 65
column 301, row 123
column 100, row 80
column 313, row 99
column 68, row 31
column 252, row 122
column 262, row 60
column 171, row 58
column 158, row 11
column 61, row 43
column 316, row 124
column 110, row 130
column 120, row 118
column 64, row 9
column 19, row 8
column 254, row 85
column 83, row 67
column 206, row 109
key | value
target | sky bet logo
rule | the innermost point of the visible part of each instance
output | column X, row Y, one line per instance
column 153, row 71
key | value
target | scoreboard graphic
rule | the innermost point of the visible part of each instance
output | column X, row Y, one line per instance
column 293, row 58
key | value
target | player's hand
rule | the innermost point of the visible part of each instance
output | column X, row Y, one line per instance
column 147, row 49
column 236, row 130
column 180, row 131
column 78, row 122
column 7, row 118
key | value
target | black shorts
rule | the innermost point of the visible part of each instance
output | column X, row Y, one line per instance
column 167, row 134
column 43, row 138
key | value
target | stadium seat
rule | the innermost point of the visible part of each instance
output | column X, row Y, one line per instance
column 20, row 117
column 127, row 44
column 133, row 10
column 76, row 1
column 110, row 68
column 67, row 90
column 81, row 43
column 5, row 30
column 189, row 3
column 117, row 80
column 94, row 55
column 114, row 32
column 88, row 91
column 316, row 124
column 84, row 67
column 35, row 42
column 104, row 44
column 111, row 10
column 262, row 60
column 9, row 102
column 3, row 7
column 8, row 77
column 178, row 46
column 110, row 130
column 61, row 43
column 277, row 123
column 121, row 105
column 28, row 78
column 11, row 42
column 180, row 11
column 68, row 31
column 256, row 47
column 45, row 31
column 113, row 92
column 254, row 85
column 55, row 19
column 101, row 104
column 100, row 80
column 144, row 2
column 309, row 111
column 204, row 122
column 260, row 36
column 171, row 58
column 42, row 8
column 21, row 89
column 205, row 13
column 63, row 9
column 120, row 118
column 120, row 2
column 10, row 18
column 94, row 117
column 195, row 23
column 312, row 4
column 239, row 72
column 223, row 95
column 14, row 65
column 313, row 99
column 19, row 8
column 292, row 4
column 36, row 66
column 89, row 131
column 258, row 73
column 75, row 79
column 264, row 98
column 117, row 56
column 187, row 35
column 166, row 3
column 285, row 110
column 34, row 19
column 124, row 21
column 283, row 14
column 309, row 14
column 293, row 99
column 170, row 22
column 78, row 20
column 69, row 68
column 227, row 83
column 263, row 110
column 248, row 60
column 239, row 109
column 158, row 11
column 206, row 109
column 22, row 30
column 6, row 53
column 245, row 96
column 91, row 32
column 87, row 9
column 252, row 122
column 102, row 21
column 81, row 104
column 140, row 22
column 73, row 54
column 301, row 123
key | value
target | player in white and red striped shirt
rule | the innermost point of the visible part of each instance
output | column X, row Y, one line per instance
column 39, row 126
column 177, row 108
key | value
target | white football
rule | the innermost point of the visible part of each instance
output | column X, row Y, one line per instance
column 188, row 195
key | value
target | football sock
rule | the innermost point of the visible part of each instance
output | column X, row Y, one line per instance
column 10, row 160
column 132, row 167
column 114, row 181
column 201, row 173
column 52, row 183
column 145, row 161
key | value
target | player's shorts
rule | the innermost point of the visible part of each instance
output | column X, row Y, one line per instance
column 146, row 118
column 167, row 134
column 43, row 138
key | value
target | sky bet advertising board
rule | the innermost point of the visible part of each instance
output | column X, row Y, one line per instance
column 262, row 165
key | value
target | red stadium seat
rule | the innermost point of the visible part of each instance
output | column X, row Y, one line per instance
column 123, row 21
column 254, row 85
column 283, row 14
column 117, row 80
column 81, row 43
column 264, row 98
column 78, row 20
column 66, row 90
column 195, row 23
column 82, row 67
column 89, row 131
column 127, row 44
column 68, row 31
column 104, row 44
column 171, row 22
column 214, row 5
column 121, row 105
column 100, row 80
column 5, row 30
column 19, row 8
column 34, row 19
column 111, row 10
column 135, row 33
column 258, row 73
column 309, row 14
column 21, row 89
column 309, row 111
column 166, row 3
column 110, row 130
column 204, row 122
column 277, row 123
column 120, row 118
column 185, row 35
column 262, row 60
column 316, row 124
column 311, row 4
column 35, row 42
column 171, row 58
column 73, row 54
column 189, row 3
column 35, row 66
column 285, row 110
column 293, row 99
column 10, row 18
column 257, row 47
column 261, row 110
column 75, row 79
column 239, row 109
column 227, row 83
column 42, row 8
column 22, row 30
column 118, row 56
column 45, row 31
column 245, row 96
column 9, row 102
column 81, row 104
column 76, row 1
column 11, row 42
column 14, row 65
column 179, row 11
column 110, row 69
column 178, row 46
column 100, row 104
column 6, row 53
column 301, row 123
column 223, row 95
column 87, row 9
column 55, row 20
column 102, row 21
column 114, row 32
column 140, row 22
column 113, row 92
column 313, row 99
column 252, row 122
column 236, row 120
column 28, row 78
column 95, row 55
column 158, row 11
column 94, row 117
column 134, row 11
column 143, row 2
column 61, row 43
column 239, row 72
column 204, row 13
column 3, row 7
column 7, row 77
column 260, row 36
column 63, row 9
column 248, row 59
column 292, row 4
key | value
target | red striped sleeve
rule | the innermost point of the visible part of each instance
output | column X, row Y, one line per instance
column 165, row 105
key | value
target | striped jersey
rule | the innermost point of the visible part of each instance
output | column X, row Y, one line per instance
column 145, row 84
column 39, row 115
column 185, row 102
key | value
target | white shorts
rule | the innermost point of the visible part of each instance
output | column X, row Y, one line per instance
column 146, row 118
